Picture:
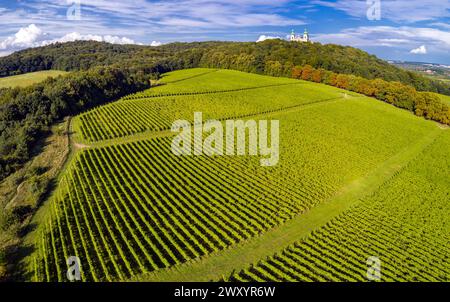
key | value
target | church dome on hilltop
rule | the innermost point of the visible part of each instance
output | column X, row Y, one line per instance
column 299, row 38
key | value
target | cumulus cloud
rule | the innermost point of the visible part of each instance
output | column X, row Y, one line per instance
column 25, row 37
column 79, row 37
column 264, row 38
column 422, row 50
column 155, row 43
column 33, row 36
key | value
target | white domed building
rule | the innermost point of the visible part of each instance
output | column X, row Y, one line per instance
column 299, row 38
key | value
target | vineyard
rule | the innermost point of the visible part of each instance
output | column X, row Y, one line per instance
column 133, row 208
column 128, row 117
column 339, row 251
column 408, row 231
column 157, row 213
column 212, row 80
column 425, row 204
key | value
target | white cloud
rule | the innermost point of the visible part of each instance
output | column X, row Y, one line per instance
column 25, row 37
column 118, row 40
column 75, row 36
column 422, row 50
column 33, row 36
column 264, row 38
column 155, row 43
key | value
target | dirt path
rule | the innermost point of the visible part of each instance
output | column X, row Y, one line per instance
column 51, row 158
column 80, row 146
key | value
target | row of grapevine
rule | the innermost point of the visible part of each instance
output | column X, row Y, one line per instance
column 406, row 229
column 185, row 75
column 125, row 118
column 135, row 208
column 208, row 80
column 148, row 94
column 339, row 252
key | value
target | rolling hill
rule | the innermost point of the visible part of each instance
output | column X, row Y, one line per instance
column 357, row 178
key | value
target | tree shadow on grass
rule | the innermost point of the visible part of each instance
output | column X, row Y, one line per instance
column 18, row 270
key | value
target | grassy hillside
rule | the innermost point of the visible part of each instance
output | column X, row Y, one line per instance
column 131, row 209
column 445, row 99
column 28, row 79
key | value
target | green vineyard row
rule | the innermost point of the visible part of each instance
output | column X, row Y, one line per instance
column 407, row 230
column 339, row 252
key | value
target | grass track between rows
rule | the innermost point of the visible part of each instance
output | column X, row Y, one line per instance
column 217, row 265
column 144, row 97
column 164, row 133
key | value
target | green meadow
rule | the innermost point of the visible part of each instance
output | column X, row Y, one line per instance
column 28, row 79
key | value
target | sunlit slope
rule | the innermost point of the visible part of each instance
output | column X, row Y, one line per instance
column 425, row 204
column 28, row 79
column 133, row 208
column 128, row 117
column 404, row 224
column 444, row 98
column 185, row 74
column 199, row 80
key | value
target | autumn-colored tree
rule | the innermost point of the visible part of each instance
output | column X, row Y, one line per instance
column 297, row 72
column 333, row 79
column 366, row 87
column 307, row 71
column 317, row 76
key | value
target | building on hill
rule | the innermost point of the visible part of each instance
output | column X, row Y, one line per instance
column 298, row 38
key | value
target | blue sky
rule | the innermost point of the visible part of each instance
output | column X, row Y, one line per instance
column 413, row 30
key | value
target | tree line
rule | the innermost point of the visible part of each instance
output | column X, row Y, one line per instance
column 278, row 56
column 424, row 104
column 27, row 113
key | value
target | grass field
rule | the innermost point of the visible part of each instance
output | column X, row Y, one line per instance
column 28, row 79
column 356, row 178
column 444, row 98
